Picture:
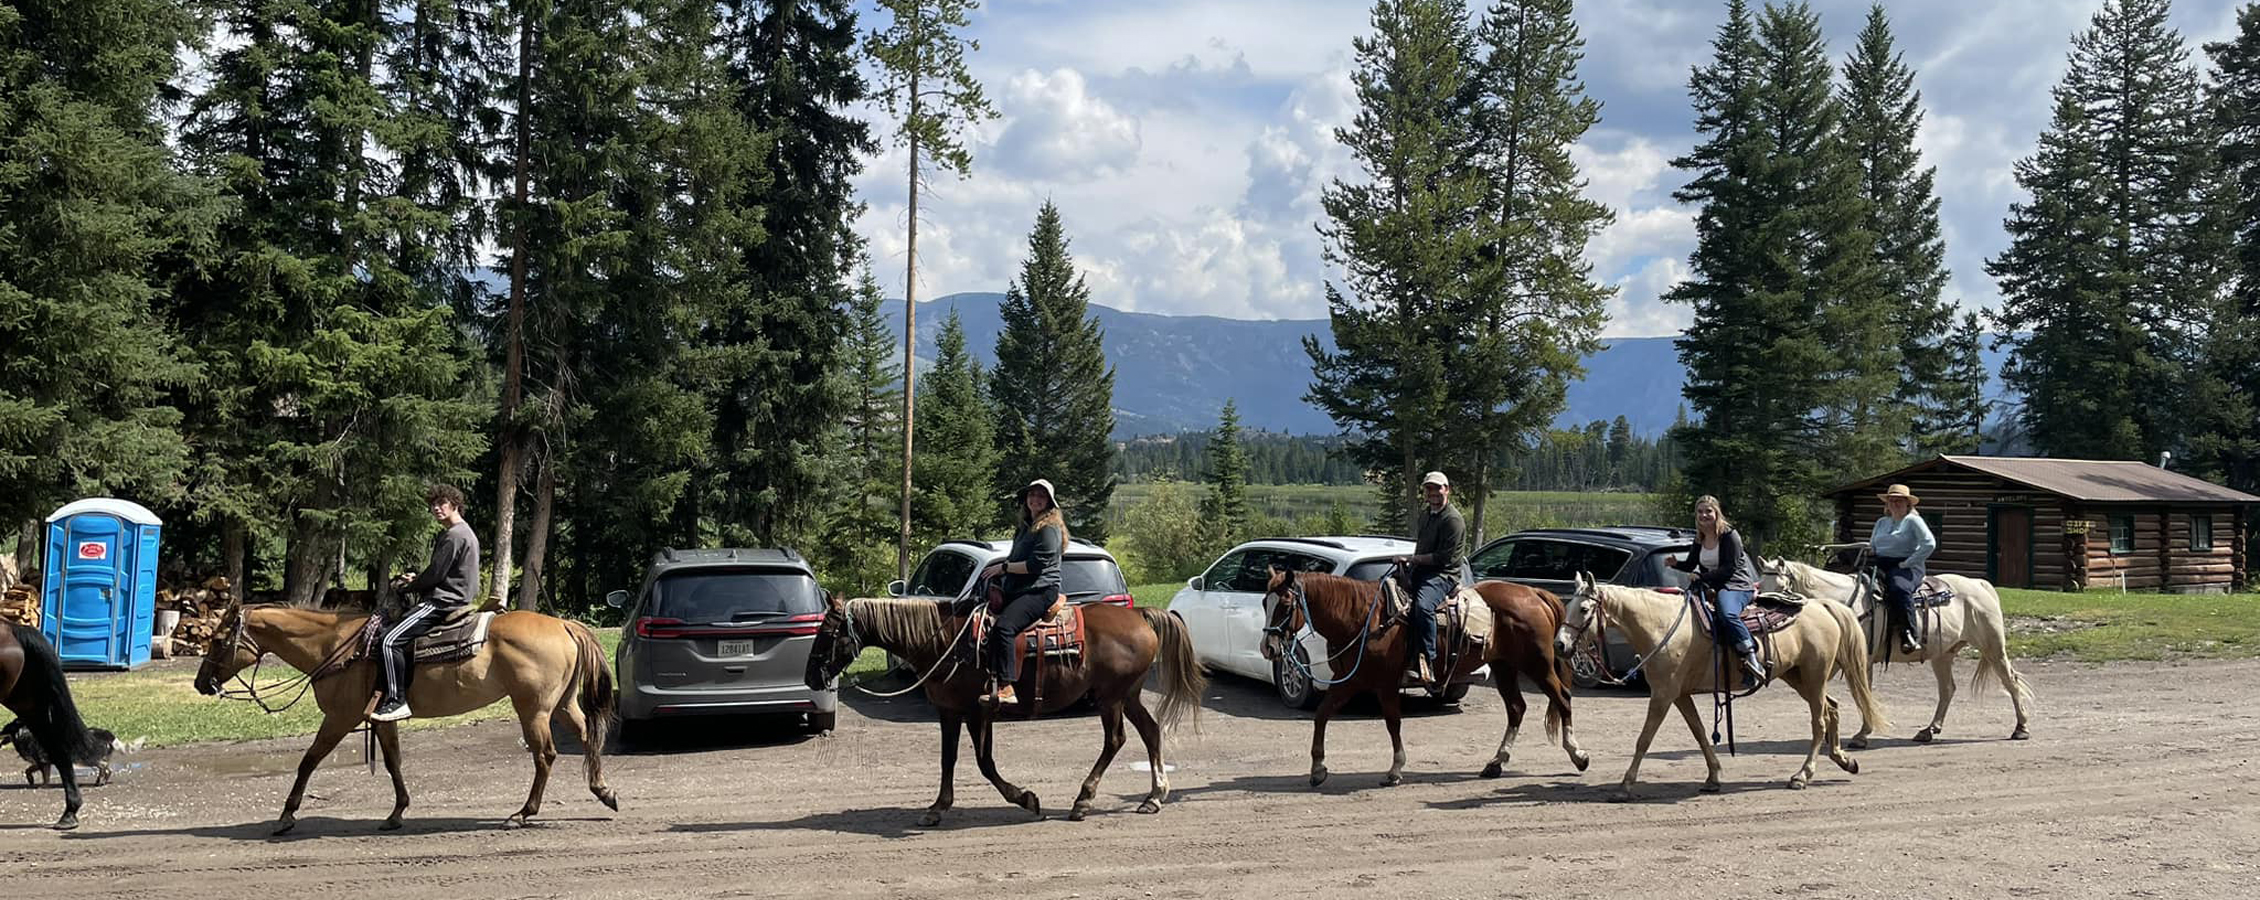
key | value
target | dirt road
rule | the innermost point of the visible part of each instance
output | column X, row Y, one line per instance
column 2139, row 781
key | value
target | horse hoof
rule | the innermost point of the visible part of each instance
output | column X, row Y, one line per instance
column 609, row 799
column 930, row 819
column 1392, row 780
column 1149, row 807
column 1852, row 766
column 1317, row 777
column 514, row 822
column 1582, row 760
column 1076, row 814
column 2020, row 734
column 284, row 827
column 1493, row 770
column 1029, row 802
column 1710, row 787
column 1797, row 784
column 1923, row 736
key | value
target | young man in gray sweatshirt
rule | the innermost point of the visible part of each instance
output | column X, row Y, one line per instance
column 447, row 585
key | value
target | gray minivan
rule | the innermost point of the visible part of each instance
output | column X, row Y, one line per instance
column 721, row 632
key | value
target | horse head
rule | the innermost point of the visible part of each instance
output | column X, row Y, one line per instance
column 1283, row 615
column 1774, row 574
column 837, row 645
column 1582, row 610
column 229, row 652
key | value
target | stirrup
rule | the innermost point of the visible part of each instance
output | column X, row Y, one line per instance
column 1000, row 695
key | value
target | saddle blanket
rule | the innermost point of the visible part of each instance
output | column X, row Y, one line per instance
column 457, row 638
column 1060, row 636
column 1769, row 613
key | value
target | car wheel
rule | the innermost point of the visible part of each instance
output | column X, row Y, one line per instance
column 1582, row 670
column 823, row 722
column 1455, row 692
column 1293, row 682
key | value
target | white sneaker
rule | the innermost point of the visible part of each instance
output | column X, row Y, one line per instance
column 391, row 712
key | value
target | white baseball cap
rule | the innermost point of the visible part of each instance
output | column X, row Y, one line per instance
column 1435, row 478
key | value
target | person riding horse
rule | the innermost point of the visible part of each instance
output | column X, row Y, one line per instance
column 1901, row 544
column 1439, row 549
column 1030, row 581
column 447, row 584
column 1723, row 569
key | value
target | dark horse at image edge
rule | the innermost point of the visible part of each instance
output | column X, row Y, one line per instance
column 32, row 687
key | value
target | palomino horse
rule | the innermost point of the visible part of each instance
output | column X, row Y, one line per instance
column 1678, row 661
column 1972, row 619
column 1344, row 612
column 32, row 687
column 1120, row 645
column 546, row 666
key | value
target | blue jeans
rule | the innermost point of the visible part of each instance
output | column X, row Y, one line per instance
column 1732, row 632
column 1427, row 596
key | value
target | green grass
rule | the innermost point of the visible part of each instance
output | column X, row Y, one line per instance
column 2099, row 626
column 160, row 703
column 1155, row 595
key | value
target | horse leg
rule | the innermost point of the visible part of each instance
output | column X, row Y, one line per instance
column 984, row 754
column 1694, row 719
column 1150, row 732
column 1835, row 749
column 1510, row 690
column 1859, row 740
column 1110, row 716
column 388, row 739
column 592, row 751
column 533, row 722
column 1657, row 703
column 51, row 740
column 1815, row 692
column 1942, row 666
column 1326, row 707
column 951, row 725
column 335, row 726
column 1557, row 702
column 1392, row 713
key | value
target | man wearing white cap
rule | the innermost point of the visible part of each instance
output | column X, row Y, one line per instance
column 1439, row 548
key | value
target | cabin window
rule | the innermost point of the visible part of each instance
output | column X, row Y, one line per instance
column 2122, row 534
column 2201, row 531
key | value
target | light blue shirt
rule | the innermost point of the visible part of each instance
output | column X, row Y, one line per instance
column 1907, row 539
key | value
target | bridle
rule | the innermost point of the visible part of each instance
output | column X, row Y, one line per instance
column 1596, row 619
column 846, row 630
column 1287, row 643
column 250, row 689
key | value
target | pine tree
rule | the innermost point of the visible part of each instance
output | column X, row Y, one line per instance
column 1225, row 509
column 1620, row 450
column 1534, row 308
column 955, row 496
column 1052, row 388
column 1883, row 116
column 2227, row 444
column 1955, row 419
column 93, row 220
column 2113, row 265
column 925, row 86
column 1405, row 239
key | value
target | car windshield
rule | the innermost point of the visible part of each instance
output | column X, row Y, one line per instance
column 1548, row 560
column 1090, row 578
column 738, row 595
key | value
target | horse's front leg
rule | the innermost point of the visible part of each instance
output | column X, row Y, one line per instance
column 1658, row 702
column 1942, row 666
column 952, row 726
column 1694, row 719
column 1392, row 712
column 388, row 739
column 984, row 755
column 1326, row 707
column 51, row 740
column 335, row 726
column 1110, row 716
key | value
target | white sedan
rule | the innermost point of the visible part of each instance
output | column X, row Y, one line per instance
column 1224, row 610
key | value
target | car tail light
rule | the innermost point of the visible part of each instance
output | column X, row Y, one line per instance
column 653, row 627
column 1122, row 600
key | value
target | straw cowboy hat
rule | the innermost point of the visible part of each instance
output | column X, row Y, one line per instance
column 1902, row 492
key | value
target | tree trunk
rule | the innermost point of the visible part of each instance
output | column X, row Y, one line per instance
column 28, row 541
column 235, row 550
column 305, row 561
column 537, row 542
column 909, row 347
column 1482, row 495
column 514, row 341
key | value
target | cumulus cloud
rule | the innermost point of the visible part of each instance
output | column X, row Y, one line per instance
column 1058, row 130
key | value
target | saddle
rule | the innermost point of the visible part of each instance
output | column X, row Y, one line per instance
column 1057, row 636
column 1463, row 623
column 1933, row 592
column 1770, row 612
column 459, row 637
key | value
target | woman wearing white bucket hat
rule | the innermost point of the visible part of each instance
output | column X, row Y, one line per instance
column 1030, row 581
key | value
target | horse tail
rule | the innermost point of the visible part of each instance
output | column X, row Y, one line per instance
column 1181, row 676
column 1852, row 655
column 1990, row 637
column 599, row 698
column 1556, row 611
column 56, row 718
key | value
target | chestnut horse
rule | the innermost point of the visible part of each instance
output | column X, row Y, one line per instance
column 1345, row 611
column 1120, row 645
column 546, row 666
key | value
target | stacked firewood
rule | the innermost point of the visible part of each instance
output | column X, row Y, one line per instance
column 201, row 609
column 21, row 605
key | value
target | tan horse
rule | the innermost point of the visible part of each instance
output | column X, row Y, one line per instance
column 1972, row 619
column 546, row 666
column 1677, row 658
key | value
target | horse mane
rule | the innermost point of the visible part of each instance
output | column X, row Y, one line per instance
column 1339, row 594
column 1803, row 575
column 909, row 627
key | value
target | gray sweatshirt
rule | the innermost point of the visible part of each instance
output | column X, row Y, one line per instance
column 453, row 575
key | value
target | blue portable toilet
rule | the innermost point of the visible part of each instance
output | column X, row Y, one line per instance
column 101, row 583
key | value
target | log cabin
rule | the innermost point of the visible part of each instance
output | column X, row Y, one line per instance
column 2070, row 524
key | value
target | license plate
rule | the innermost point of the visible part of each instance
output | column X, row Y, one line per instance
column 736, row 648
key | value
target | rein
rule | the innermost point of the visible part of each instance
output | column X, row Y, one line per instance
column 1598, row 622
column 1365, row 630
column 854, row 636
column 303, row 681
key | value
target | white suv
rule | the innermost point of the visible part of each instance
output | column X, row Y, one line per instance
column 1087, row 573
column 1224, row 613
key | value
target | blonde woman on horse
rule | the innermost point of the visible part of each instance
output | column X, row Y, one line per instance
column 1030, row 581
column 1901, row 544
column 1724, row 571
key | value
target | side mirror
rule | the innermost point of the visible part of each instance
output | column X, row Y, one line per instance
column 896, row 588
column 1194, row 583
column 616, row 599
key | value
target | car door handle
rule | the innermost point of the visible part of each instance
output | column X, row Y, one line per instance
column 734, row 670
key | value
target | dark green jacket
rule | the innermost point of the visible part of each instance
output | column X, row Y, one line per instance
column 1439, row 543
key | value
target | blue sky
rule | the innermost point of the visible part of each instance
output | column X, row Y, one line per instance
column 1186, row 141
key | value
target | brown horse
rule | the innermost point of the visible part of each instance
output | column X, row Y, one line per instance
column 32, row 687
column 546, row 666
column 1120, row 645
column 1344, row 611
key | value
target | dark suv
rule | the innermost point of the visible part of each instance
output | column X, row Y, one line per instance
column 721, row 632
column 1550, row 558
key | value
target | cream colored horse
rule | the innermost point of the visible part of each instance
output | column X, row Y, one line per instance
column 546, row 666
column 1677, row 658
column 1972, row 619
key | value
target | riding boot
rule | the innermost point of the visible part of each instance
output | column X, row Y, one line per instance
column 1424, row 667
column 1753, row 671
column 1908, row 643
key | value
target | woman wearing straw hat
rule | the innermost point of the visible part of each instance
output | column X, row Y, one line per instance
column 1902, row 543
column 1030, row 581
